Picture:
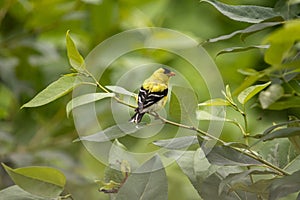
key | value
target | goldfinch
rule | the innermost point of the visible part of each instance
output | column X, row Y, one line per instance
column 153, row 94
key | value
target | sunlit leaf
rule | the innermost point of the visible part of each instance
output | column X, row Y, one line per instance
column 281, row 41
column 250, row 80
column 269, row 96
column 120, row 90
column 244, row 13
column 177, row 143
column 75, row 59
column 54, row 91
column 40, row 181
column 85, row 99
column 215, row 102
column 249, row 92
column 203, row 115
column 16, row 193
column 241, row 49
column 148, row 182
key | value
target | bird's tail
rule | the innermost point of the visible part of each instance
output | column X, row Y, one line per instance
column 137, row 117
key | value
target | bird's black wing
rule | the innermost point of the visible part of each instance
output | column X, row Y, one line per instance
column 147, row 98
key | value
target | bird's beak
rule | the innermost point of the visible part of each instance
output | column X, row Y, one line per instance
column 171, row 74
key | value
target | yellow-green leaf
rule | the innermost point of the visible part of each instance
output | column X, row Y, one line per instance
column 75, row 59
column 249, row 92
column 41, row 181
column 54, row 91
column 85, row 99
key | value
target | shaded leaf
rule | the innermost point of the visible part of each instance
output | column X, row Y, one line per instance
column 75, row 59
column 285, row 103
column 16, row 193
column 215, row 102
column 113, row 132
column 147, row 182
column 236, row 144
column 281, row 187
column 269, row 96
column 194, row 165
column 225, row 156
column 245, row 32
column 177, row 143
column 120, row 90
column 259, row 187
column 241, row 49
column 244, row 13
column 184, row 102
column 282, row 133
column 239, row 177
column 40, row 181
column 203, row 176
column 85, row 99
column 249, row 92
column 54, row 91
column 293, row 166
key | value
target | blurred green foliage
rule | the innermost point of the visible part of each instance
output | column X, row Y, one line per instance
column 33, row 54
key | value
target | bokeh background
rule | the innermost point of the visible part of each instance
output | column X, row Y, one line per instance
column 33, row 54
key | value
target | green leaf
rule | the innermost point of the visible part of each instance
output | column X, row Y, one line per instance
column 120, row 90
column 269, row 96
column 244, row 13
column 293, row 166
column 16, row 193
column 203, row 176
column 259, row 187
column 54, row 91
column 250, row 80
column 203, row 115
column 281, row 187
column 249, row 92
column 234, row 178
column 75, row 59
column 113, row 132
column 285, row 103
column 241, row 49
column 245, row 32
column 215, row 102
column 281, row 41
column 177, row 143
column 225, row 156
column 85, row 99
column 40, row 181
column 184, row 103
column 282, row 133
column 148, row 182
column 194, row 165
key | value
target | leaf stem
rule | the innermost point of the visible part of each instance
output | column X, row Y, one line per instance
column 105, row 90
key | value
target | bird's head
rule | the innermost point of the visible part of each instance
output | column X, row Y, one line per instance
column 164, row 73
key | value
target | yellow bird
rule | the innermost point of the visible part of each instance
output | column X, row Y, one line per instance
column 153, row 94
